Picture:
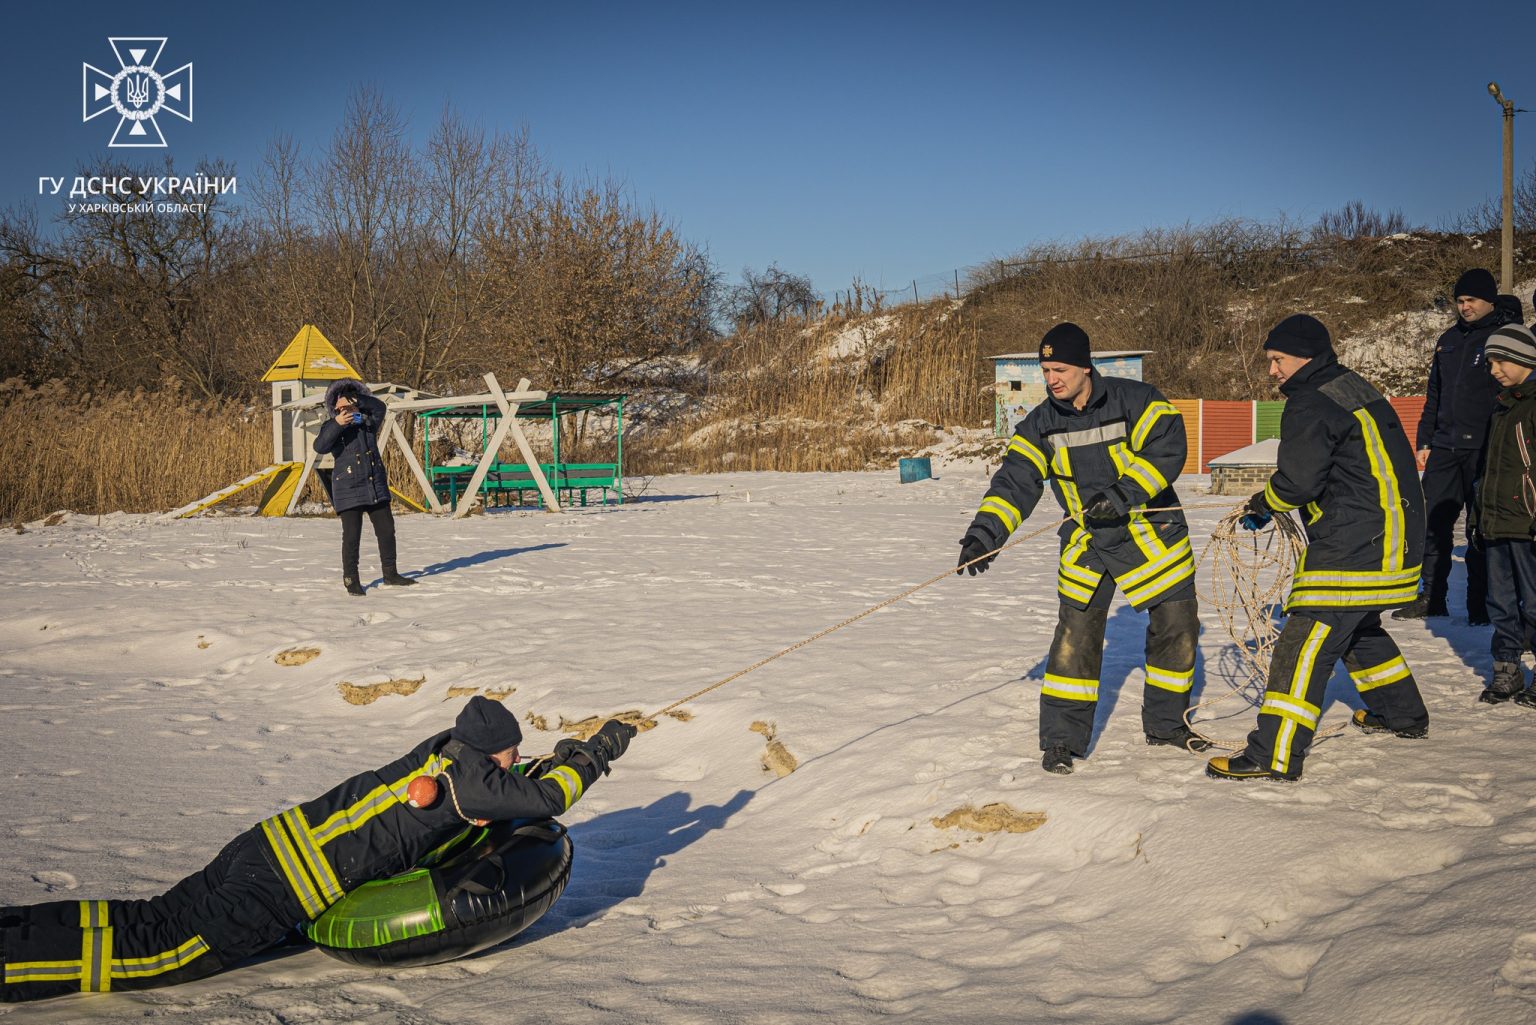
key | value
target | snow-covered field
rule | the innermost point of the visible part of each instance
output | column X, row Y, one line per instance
column 146, row 722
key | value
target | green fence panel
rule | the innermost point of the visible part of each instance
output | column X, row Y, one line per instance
column 1266, row 420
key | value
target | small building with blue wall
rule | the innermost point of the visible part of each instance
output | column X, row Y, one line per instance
column 1021, row 386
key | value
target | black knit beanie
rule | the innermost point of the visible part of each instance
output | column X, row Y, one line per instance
column 487, row 725
column 1299, row 335
column 1477, row 283
column 1066, row 343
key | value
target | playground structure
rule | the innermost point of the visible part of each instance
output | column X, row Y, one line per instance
column 299, row 378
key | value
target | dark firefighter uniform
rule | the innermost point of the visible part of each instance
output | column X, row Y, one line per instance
column 1346, row 465
column 1127, row 444
column 289, row 868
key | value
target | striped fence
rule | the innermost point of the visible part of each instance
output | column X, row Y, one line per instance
column 1215, row 427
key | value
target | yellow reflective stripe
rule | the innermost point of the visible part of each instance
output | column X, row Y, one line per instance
column 1303, row 713
column 1061, row 462
column 1352, row 599
column 1277, row 503
column 1146, row 592
column 1076, row 592
column 1070, row 496
column 1154, row 412
column 1157, row 565
column 314, row 859
column 1029, row 450
column 1305, row 661
column 1314, row 513
column 380, row 799
column 1387, row 672
column 42, row 971
column 1356, row 578
column 1004, row 510
column 96, row 960
column 1145, row 535
column 93, row 914
column 570, row 782
column 292, row 867
column 1171, row 679
column 158, row 964
column 1146, row 475
column 1387, row 492
column 1070, row 688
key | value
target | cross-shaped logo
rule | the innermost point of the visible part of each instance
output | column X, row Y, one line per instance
column 137, row 92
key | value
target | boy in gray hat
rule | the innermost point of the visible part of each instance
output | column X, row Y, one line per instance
column 1505, row 512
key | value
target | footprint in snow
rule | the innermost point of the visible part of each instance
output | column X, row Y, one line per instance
column 54, row 881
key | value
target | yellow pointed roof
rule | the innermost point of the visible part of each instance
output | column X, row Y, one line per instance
column 309, row 357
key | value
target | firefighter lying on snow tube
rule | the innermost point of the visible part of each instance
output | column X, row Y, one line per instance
column 289, row 868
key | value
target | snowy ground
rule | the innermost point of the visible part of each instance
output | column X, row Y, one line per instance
column 145, row 723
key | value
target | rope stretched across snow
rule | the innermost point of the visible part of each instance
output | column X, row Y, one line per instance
column 918, row 587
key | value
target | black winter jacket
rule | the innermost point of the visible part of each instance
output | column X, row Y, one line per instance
column 1345, row 462
column 1506, row 493
column 1461, row 394
column 358, row 479
column 364, row 829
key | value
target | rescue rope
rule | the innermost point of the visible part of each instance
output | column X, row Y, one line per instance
column 898, row 597
column 1250, row 577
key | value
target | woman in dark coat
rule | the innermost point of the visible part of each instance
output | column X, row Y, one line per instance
column 358, row 482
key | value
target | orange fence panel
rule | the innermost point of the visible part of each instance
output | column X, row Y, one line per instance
column 1410, row 409
column 1224, row 427
column 1189, row 409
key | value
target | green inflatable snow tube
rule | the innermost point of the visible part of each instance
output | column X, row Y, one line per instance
column 483, row 889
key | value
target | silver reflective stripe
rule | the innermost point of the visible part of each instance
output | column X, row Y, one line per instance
column 1088, row 436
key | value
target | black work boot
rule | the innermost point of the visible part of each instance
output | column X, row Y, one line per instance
column 394, row 579
column 1477, row 616
column 1370, row 722
column 354, row 586
column 1508, row 681
column 1240, row 766
column 1422, row 608
column 1186, row 738
column 1526, row 698
column 1058, row 759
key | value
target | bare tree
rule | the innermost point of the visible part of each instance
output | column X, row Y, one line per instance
column 771, row 296
column 1354, row 220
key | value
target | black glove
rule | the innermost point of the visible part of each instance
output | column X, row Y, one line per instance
column 1100, row 509
column 973, row 546
column 614, row 738
column 1257, row 513
column 582, row 752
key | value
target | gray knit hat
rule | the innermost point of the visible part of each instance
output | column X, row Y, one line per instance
column 1512, row 343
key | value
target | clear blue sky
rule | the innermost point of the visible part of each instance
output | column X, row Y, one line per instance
column 888, row 141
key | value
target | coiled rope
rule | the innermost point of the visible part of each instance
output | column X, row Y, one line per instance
column 1249, row 578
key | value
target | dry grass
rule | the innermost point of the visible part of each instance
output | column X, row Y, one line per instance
column 991, row 818
column 368, row 693
column 295, row 656
column 66, row 448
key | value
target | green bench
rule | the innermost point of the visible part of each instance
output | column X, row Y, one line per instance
column 569, row 481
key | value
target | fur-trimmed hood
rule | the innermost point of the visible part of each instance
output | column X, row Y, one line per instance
column 345, row 386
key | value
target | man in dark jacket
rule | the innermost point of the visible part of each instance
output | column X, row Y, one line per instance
column 1505, row 517
column 359, row 484
column 1346, row 465
column 1111, row 449
column 1459, row 400
column 289, row 868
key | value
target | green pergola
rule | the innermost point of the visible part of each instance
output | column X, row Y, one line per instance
column 504, row 480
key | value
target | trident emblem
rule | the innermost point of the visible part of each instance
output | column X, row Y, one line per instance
column 137, row 92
